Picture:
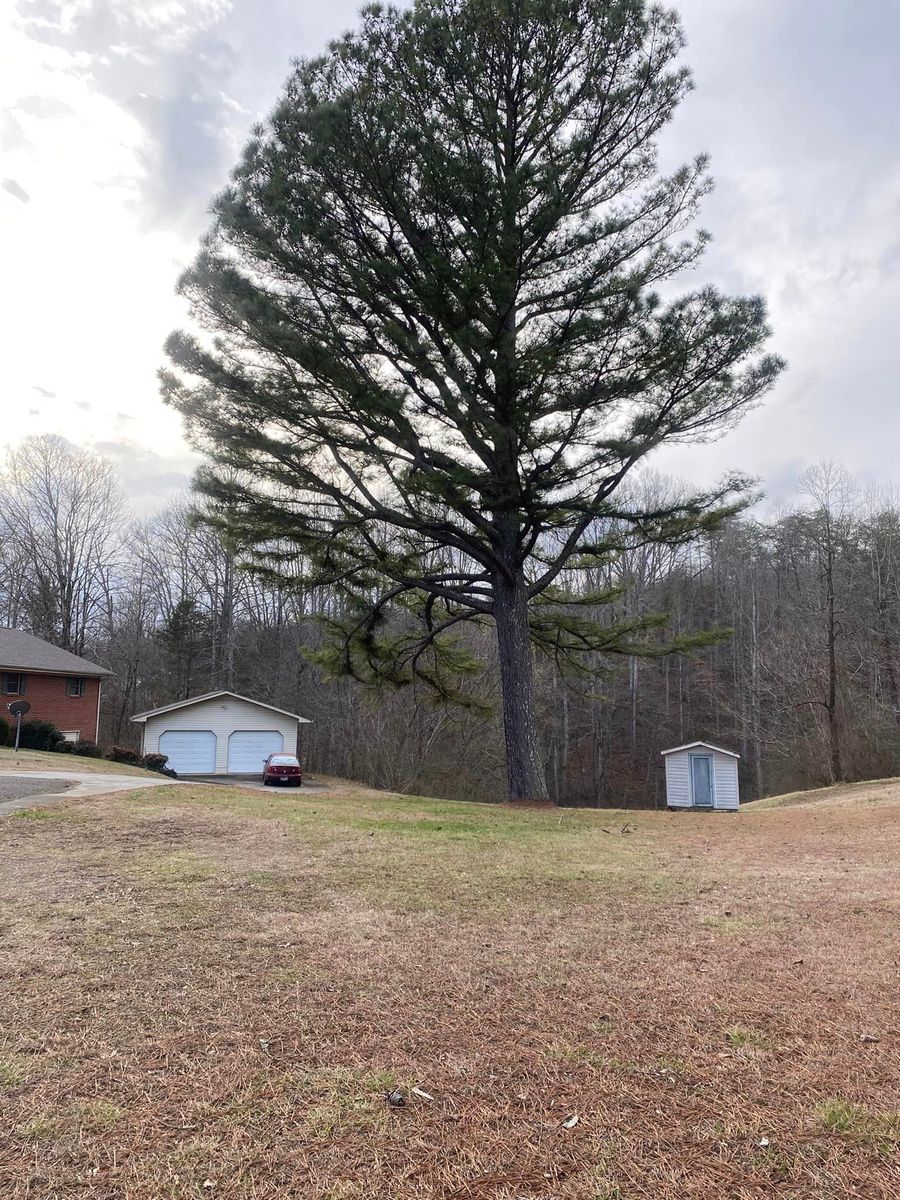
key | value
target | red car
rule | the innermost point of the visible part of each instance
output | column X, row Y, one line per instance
column 282, row 768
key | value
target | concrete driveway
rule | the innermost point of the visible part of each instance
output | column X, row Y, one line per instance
column 254, row 782
column 35, row 788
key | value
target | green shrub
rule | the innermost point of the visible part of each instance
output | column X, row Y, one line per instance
column 39, row 735
column 65, row 747
column 88, row 749
column 4, row 732
column 121, row 754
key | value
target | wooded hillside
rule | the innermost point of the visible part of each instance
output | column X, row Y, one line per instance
column 806, row 689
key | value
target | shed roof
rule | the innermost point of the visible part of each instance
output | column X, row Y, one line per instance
column 21, row 651
column 707, row 745
column 154, row 712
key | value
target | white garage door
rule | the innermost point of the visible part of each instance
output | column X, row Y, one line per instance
column 249, row 749
column 190, row 751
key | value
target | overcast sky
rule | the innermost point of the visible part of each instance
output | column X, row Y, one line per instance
column 120, row 118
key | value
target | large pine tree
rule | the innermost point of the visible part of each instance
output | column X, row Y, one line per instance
column 430, row 346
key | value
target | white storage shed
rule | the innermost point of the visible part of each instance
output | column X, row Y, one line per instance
column 220, row 733
column 699, row 775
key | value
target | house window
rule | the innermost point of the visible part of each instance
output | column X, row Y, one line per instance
column 70, row 735
column 75, row 685
column 12, row 683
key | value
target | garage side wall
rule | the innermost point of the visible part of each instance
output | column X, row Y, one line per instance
column 725, row 769
column 678, row 785
column 223, row 717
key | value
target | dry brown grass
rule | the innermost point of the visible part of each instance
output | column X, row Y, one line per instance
column 44, row 760
column 209, row 991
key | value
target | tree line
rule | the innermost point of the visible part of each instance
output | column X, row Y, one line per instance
column 806, row 688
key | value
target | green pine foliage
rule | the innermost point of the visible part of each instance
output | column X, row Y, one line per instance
column 186, row 638
column 430, row 346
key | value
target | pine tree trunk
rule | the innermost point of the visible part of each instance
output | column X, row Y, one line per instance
column 227, row 628
column 524, row 763
column 563, row 789
column 755, row 703
column 837, row 771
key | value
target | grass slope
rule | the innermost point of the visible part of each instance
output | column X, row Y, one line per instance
column 869, row 791
column 208, row 992
column 44, row 760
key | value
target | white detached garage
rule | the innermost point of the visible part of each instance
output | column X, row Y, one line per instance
column 221, row 733
column 699, row 775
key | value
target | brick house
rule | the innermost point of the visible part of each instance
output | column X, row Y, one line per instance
column 59, row 686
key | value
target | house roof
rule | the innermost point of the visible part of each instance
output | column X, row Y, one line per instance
column 20, row 651
column 155, row 712
column 706, row 745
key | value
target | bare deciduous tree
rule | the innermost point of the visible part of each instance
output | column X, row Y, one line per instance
column 62, row 513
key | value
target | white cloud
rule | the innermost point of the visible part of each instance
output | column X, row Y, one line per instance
column 16, row 189
column 118, row 119
column 791, row 102
column 149, row 479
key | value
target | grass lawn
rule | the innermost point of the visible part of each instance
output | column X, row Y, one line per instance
column 208, row 992
column 44, row 760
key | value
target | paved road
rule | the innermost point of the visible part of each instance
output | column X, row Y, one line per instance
column 35, row 788
column 23, row 787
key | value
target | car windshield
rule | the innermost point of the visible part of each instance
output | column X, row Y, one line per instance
column 284, row 760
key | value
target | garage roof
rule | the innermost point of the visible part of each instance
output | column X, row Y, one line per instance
column 706, row 746
column 153, row 712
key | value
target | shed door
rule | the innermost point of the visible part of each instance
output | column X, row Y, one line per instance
column 249, row 749
column 702, row 780
column 190, row 751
